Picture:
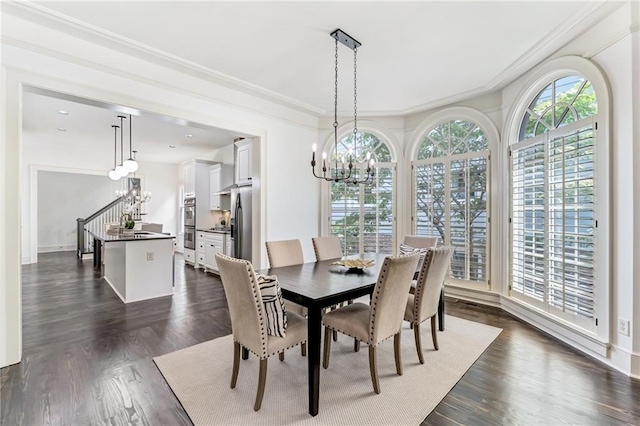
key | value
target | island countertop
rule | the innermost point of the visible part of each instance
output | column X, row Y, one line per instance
column 136, row 236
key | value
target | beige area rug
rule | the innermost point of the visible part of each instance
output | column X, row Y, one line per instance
column 200, row 377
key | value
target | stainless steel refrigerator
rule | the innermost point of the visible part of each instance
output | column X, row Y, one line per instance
column 241, row 246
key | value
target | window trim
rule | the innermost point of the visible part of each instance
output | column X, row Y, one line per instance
column 446, row 160
column 386, row 136
column 537, row 81
column 494, row 210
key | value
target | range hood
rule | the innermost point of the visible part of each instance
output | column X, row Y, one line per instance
column 227, row 190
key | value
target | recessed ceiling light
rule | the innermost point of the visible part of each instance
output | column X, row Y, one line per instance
column 62, row 129
column 172, row 146
column 63, row 112
column 189, row 136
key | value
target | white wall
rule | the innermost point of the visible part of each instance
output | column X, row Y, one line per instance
column 82, row 195
column 161, row 180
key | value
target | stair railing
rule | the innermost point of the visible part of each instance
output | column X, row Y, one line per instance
column 111, row 213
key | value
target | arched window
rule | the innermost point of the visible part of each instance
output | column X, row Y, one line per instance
column 451, row 202
column 553, row 199
column 362, row 216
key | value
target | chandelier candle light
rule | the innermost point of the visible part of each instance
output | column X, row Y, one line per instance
column 341, row 174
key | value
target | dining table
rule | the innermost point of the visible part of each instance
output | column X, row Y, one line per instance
column 320, row 285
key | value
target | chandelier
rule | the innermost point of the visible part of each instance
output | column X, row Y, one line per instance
column 344, row 173
column 126, row 166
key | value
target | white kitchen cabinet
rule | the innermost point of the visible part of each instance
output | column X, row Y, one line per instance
column 227, row 246
column 190, row 256
column 244, row 162
column 220, row 176
column 190, row 179
column 196, row 184
column 213, row 243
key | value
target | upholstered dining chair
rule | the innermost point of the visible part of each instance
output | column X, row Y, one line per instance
column 419, row 242
column 287, row 253
column 424, row 303
column 284, row 253
column 327, row 248
column 375, row 323
column 248, row 320
column 151, row 227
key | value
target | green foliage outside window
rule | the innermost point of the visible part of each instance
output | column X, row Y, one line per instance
column 364, row 210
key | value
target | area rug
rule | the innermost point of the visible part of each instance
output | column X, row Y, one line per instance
column 200, row 376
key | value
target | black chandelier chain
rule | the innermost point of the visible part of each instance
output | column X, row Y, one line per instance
column 344, row 174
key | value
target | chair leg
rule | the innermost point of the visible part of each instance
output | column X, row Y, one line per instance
column 397, row 338
column 236, row 364
column 416, row 333
column 434, row 332
column 303, row 349
column 356, row 345
column 327, row 347
column 281, row 356
column 262, row 381
column 374, row 369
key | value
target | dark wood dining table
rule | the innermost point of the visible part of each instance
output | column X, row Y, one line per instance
column 319, row 285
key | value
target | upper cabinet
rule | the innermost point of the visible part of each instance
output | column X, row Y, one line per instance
column 190, row 179
column 244, row 162
column 196, row 184
column 220, row 176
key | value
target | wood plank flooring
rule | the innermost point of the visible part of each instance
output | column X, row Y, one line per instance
column 88, row 359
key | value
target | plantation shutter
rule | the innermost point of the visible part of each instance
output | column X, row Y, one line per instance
column 362, row 216
column 553, row 222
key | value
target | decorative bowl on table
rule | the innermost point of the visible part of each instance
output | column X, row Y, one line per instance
column 355, row 265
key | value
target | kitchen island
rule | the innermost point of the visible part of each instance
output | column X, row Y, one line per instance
column 137, row 266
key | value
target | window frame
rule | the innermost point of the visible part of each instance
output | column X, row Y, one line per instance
column 545, row 305
column 446, row 160
column 539, row 79
column 392, row 144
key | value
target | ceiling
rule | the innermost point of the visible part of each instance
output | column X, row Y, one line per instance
column 88, row 130
column 414, row 56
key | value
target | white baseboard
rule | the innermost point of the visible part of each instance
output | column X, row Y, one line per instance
column 611, row 355
column 50, row 249
column 581, row 341
column 482, row 297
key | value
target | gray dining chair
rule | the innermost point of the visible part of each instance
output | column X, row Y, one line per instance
column 424, row 303
column 419, row 241
column 375, row 323
column 327, row 248
column 284, row 253
column 287, row 253
column 248, row 320
column 151, row 227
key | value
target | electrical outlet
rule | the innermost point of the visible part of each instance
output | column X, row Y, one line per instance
column 623, row 326
column 149, row 255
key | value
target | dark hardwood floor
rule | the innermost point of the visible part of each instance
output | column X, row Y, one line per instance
column 88, row 359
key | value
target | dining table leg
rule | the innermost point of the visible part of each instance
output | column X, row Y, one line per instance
column 314, row 340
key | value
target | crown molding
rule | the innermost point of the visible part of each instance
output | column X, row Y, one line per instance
column 59, row 22
column 564, row 33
